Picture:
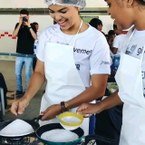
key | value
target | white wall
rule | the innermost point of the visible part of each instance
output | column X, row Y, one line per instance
column 7, row 22
column 107, row 23
column 7, row 44
column 22, row 4
column 96, row 3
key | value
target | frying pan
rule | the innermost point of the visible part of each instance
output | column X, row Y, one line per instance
column 52, row 126
column 33, row 123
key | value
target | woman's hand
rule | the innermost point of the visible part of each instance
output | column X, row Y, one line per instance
column 51, row 112
column 87, row 109
column 18, row 107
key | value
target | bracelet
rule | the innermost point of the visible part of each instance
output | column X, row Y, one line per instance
column 63, row 107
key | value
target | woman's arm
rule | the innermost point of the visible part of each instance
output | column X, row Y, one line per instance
column 109, row 102
column 95, row 91
column 37, row 79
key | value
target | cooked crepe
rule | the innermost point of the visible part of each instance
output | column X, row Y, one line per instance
column 59, row 135
column 16, row 128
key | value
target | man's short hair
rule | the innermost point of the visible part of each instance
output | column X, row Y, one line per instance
column 35, row 23
column 24, row 11
column 95, row 22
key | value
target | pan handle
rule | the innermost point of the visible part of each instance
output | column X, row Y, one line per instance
column 82, row 141
column 90, row 139
column 36, row 119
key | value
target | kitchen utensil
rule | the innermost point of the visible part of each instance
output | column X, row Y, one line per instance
column 34, row 125
column 36, row 119
column 70, row 120
column 49, row 127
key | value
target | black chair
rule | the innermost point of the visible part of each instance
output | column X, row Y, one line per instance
column 108, row 125
column 2, row 104
column 3, row 99
column 4, row 87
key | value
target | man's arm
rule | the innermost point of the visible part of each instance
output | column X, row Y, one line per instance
column 32, row 31
column 16, row 30
column 17, row 27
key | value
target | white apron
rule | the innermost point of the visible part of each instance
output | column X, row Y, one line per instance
column 63, row 79
column 129, row 80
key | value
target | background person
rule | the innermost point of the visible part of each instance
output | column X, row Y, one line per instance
column 116, row 47
column 130, row 75
column 68, row 62
column 35, row 43
column 26, row 35
column 97, row 23
column 118, row 39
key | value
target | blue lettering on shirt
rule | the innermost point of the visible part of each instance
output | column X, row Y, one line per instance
column 82, row 51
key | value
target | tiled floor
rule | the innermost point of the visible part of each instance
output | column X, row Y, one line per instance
column 8, row 70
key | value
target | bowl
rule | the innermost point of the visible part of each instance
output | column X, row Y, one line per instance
column 70, row 120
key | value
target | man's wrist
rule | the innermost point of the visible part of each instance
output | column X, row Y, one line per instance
column 63, row 106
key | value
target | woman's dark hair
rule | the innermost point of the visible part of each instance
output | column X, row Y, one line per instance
column 95, row 22
column 111, row 32
column 141, row 2
column 35, row 23
column 24, row 11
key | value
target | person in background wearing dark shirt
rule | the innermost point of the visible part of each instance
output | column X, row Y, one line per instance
column 26, row 35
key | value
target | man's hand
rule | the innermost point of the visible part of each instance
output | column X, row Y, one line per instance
column 18, row 107
column 88, row 109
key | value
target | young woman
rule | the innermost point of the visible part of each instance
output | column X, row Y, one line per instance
column 73, row 58
column 130, row 76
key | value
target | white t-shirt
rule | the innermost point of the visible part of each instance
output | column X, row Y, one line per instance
column 91, row 50
column 118, row 40
column 135, row 47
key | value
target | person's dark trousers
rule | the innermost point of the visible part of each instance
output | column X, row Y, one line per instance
column 4, row 87
column 92, row 125
column 108, row 125
column 34, row 62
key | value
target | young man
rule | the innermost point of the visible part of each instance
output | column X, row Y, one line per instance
column 26, row 35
